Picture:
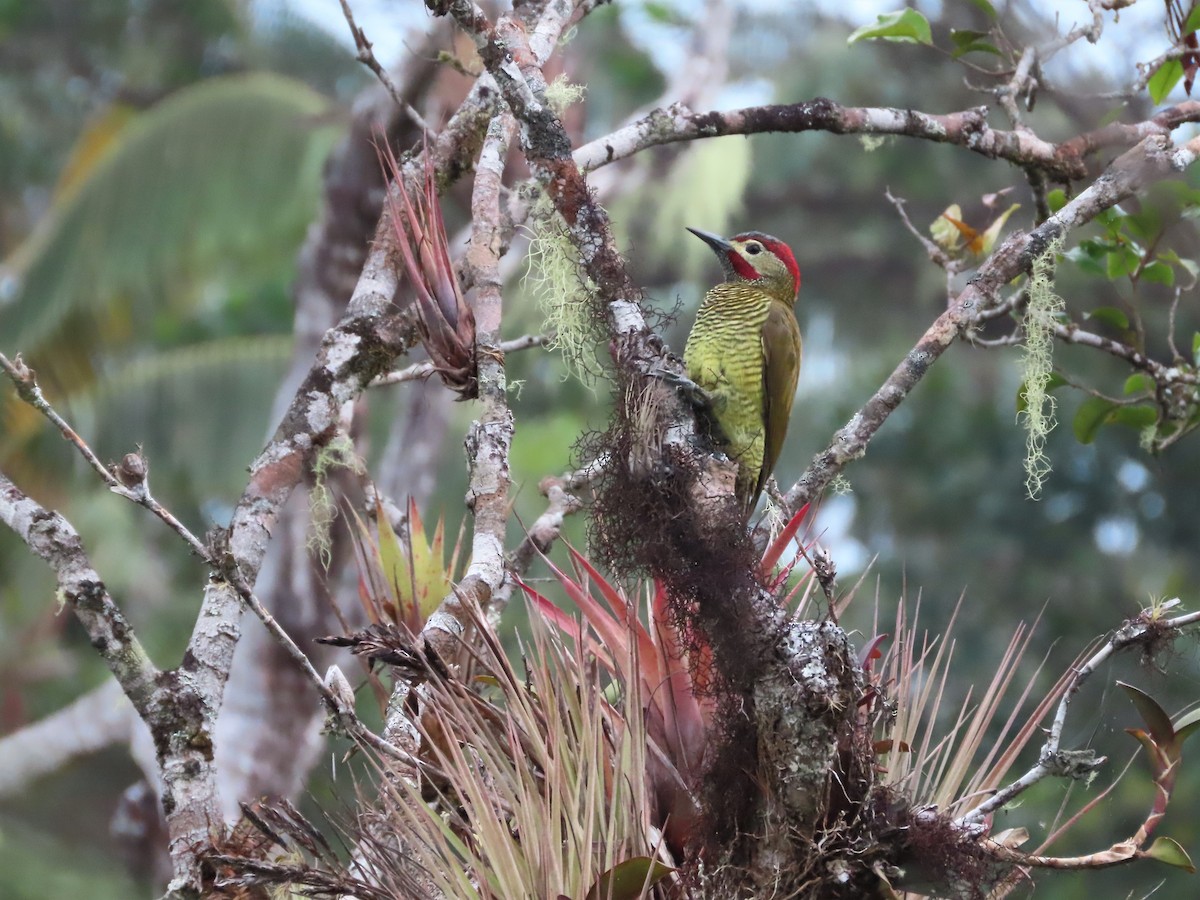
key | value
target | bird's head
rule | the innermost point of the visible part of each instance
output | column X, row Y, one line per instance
column 754, row 256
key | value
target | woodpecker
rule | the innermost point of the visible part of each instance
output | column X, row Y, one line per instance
column 744, row 352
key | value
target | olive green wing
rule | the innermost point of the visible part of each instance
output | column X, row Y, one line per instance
column 781, row 371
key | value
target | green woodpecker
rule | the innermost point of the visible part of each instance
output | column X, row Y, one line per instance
column 744, row 352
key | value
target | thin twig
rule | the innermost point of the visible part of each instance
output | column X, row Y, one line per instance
column 1073, row 334
column 421, row 370
column 544, row 531
column 937, row 255
column 137, row 490
column 366, row 56
column 1176, row 357
column 1132, row 400
column 1008, row 340
column 1053, row 760
column 136, row 484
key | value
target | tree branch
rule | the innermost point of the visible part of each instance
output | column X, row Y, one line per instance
column 968, row 129
column 1153, row 159
column 419, row 371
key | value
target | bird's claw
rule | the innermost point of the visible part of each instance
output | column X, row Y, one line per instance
column 691, row 392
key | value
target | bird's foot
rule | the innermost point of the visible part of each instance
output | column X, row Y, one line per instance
column 692, row 393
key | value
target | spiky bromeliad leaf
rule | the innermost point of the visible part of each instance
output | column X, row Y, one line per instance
column 446, row 319
column 546, row 791
column 403, row 577
column 640, row 648
column 218, row 180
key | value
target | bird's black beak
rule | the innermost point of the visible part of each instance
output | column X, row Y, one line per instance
column 719, row 245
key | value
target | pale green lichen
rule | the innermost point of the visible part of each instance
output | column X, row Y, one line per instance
column 872, row 142
column 773, row 518
column 553, row 278
column 339, row 453
column 840, row 485
column 1041, row 315
column 561, row 93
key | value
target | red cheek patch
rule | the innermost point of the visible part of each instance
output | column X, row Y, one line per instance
column 742, row 267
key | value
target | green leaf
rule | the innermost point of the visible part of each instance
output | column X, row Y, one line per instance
column 1144, row 224
column 628, row 880
column 1159, row 272
column 1120, row 262
column 986, row 7
column 905, row 25
column 967, row 41
column 1110, row 316
column 1138, row 381
column 1135, row 417
column 1164, row 80
column 944, row 232
column 1188, row 265
column 1092, row 414
column 1196, row 345
column 1186, row 725
column 1056, row 199
column 1112, row 219
column 663, row 13
column 1158, row 723
column 1192, row 23
column 987, row 240
column 1086, row 261
column 1168, row 851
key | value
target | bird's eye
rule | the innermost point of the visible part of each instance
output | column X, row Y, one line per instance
column 753, row 248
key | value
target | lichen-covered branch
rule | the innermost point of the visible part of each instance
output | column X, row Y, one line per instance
column 514, row 64
column 179, row 706
column 53, row 540
column 968, row 128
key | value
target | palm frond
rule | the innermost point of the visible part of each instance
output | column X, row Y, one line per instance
column 218, row 179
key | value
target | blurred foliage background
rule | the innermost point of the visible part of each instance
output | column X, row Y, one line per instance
column 161, row 162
